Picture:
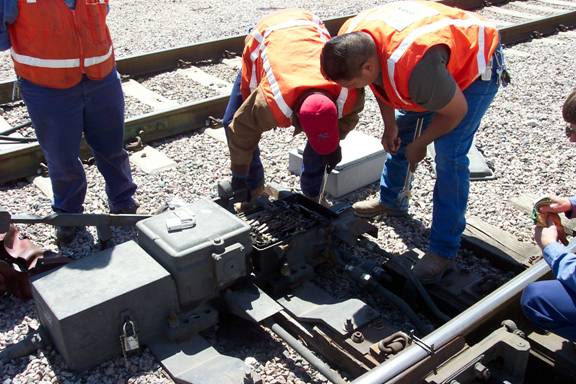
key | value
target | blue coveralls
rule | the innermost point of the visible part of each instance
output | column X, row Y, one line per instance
column 452, row 174
column 94, row 108
column 551, row 304
column 312, row 163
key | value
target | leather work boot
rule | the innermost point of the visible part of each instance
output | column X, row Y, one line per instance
column 254, row 195
column 373, row 207
column 432, row 268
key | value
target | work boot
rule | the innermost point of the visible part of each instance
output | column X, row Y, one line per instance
column 373, row 207
column 432, row 268
column 130, row 209
column 65, row 235
column 254, row 195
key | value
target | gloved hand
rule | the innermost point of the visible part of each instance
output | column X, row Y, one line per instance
column 240, row 188
column 331, row 160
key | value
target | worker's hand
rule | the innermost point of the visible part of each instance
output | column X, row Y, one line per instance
column 240, row 188
column 390, row 139
column 546, row 235
column 558, row 205
column 415, row 153
column 331, row 160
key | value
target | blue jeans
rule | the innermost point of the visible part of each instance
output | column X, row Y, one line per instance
column 94, row 108
column 452, row 174
column 312, row 165
column 551, row 306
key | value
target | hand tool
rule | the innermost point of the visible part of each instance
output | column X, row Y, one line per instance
column 405, row 192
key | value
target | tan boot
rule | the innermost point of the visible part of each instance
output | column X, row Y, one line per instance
column 373, row 207
column 432, row 268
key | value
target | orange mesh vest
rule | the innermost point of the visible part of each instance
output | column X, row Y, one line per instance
column 53, row 46
column 282, row 55
column 403, row 31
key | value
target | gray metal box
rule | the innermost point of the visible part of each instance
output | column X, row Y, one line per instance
column 84, row 304
column 362, row 162
column 203, row 259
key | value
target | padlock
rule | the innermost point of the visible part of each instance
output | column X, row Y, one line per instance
column 129, row 342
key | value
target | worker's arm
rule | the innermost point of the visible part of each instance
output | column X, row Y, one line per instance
column 557, row 255
column 390, row 139
column 349, row 121
column 8, row 14
column 562, row 262
column 249, row 122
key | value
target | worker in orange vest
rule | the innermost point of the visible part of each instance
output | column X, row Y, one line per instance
column 426, row 62
column 64, row 60
column 280, row 85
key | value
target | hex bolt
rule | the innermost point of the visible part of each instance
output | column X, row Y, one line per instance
column 481, row 371
column 357, row 337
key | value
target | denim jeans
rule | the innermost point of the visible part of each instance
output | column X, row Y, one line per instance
column 94, row 108
column 551, row 306
column 312, row 164
column 452, row 174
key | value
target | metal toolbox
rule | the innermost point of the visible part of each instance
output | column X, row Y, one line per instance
column 362, row 162
column 88, row 304
column 202, row 245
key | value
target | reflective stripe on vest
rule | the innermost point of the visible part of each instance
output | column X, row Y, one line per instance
column 407, row 42
column 261, row 51
column 59, row 63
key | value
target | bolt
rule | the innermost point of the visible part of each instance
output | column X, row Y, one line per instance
column 481, row 371
column 357, row 337
column 285, row 269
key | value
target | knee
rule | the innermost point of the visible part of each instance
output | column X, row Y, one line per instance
column 451, row 160
column 532, row 302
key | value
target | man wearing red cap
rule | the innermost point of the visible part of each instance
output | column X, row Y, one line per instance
column 280, row 85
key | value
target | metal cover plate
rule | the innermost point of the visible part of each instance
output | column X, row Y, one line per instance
column 310, row 303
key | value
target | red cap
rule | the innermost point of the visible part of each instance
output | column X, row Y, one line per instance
column 318, row 119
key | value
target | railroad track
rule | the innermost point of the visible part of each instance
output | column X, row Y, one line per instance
column 534, row 19
column 473, row 324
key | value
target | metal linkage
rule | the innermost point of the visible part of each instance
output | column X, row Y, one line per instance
column 463, row 324
column 280, row 221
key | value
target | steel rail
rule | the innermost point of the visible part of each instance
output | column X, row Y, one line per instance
column 461, row 325
column 168, row 59
column 24, row 160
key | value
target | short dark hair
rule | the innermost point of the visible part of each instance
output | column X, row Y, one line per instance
column 569, row 108
column 343, row 56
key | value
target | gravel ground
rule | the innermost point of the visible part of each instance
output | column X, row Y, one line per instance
column 522, row 135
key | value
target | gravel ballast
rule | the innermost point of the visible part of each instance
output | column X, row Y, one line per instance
column 522, row 135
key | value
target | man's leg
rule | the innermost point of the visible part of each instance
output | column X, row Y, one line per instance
column 256, row 173
column 394, row 172
column 452, row 172
column 312, row 172
column 104, row 132
column 58, row 121
column 551, row 306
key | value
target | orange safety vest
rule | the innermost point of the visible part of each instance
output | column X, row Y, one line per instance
column 53, row 45
column 403, row 31
column 282, row 56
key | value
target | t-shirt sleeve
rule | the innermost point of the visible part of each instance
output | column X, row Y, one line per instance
column 430, row 85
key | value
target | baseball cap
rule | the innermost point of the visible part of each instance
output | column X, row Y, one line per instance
column 318, row 118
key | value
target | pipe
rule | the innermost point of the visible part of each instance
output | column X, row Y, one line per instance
column 30, row 344
column 365, row 279
column 307, row 354
column 462, row 324
column 16, row 128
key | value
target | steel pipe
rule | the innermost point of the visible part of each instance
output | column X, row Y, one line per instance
column 322, row 367
column 461, row 325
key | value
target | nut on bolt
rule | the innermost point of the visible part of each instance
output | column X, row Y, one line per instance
column 357, row 337
column 348, row 325
column 481, row 371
